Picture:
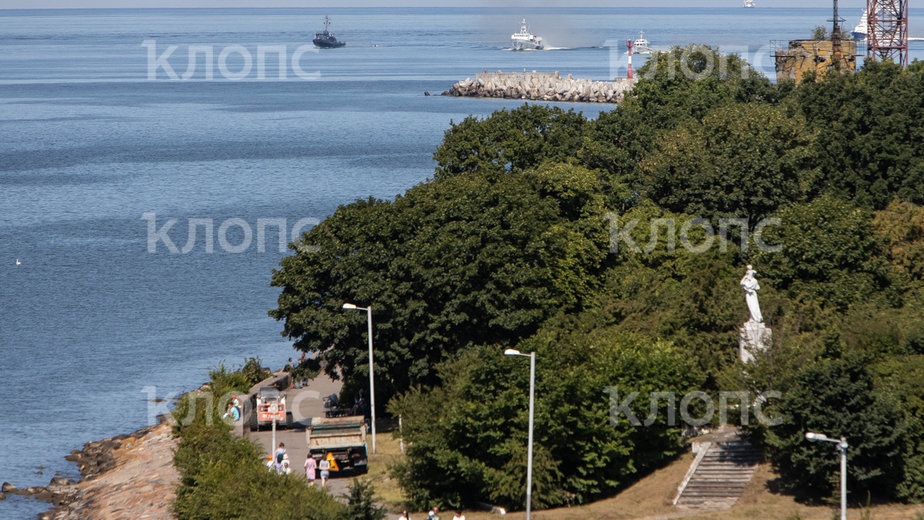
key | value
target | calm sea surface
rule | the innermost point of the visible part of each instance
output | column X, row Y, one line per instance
column 95, row 148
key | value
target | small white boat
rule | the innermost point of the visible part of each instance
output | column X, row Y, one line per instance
column 750, row 4
column 524, row 40
column 641, row 45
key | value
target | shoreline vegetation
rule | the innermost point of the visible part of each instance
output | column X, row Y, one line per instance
column 191, row 466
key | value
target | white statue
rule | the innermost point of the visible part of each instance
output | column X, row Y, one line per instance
column 750, row 286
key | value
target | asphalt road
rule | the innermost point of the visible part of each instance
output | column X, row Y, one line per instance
column 304, row 403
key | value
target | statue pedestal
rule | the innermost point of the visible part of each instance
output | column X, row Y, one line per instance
column 753, row 336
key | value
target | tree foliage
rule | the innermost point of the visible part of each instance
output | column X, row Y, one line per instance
column 467, row 439
column 869, row 128
column 222, row 476
column 513, row 140
column 901, row 225
column 454, row 263
column 508, row 246
column 739, row 161
column 837, row 397
column 827, row 251
column 677, row 87
column 361, row 502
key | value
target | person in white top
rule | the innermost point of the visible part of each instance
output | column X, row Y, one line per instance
column 458, row 515
column 324, row 466
column 280, row 456
column 404, row 515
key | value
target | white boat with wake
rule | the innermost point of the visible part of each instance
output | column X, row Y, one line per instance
column 524, row 40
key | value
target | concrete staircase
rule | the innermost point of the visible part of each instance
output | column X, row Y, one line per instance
column 722, row 469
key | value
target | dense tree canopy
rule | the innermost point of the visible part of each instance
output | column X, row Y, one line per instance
column 739, row 161
column 869, row 128
column 510, row 141
column 837, row 397
column 507, row 247
column 454, row 263
column 476, row 451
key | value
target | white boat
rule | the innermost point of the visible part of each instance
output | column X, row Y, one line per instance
column 859, row 32
column 750, row 4
column 524, row 40
column 641, row 45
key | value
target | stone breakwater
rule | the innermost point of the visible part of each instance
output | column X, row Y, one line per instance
column 541, row 86
column 123, row 478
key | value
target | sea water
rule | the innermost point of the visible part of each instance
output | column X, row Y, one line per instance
column 96, row 153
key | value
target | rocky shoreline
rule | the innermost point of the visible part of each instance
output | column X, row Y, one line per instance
column 541, row 86
column 123, row 477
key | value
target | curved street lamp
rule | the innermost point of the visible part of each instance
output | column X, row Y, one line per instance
column 529, row 449
column 368, row 310
column 842, row 449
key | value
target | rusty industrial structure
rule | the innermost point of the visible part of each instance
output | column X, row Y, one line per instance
column 801, row 57
column 887, row 31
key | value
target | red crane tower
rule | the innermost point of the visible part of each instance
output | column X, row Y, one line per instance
column 887, row 30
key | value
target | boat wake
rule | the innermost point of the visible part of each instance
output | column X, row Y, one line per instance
column 581, row 48
column 557, row 48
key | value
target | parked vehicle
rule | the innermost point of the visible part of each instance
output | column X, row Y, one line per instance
column 269, row 404
column 343, row 437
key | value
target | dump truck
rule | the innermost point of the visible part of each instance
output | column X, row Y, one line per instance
column 344, row 438
column 270, row 403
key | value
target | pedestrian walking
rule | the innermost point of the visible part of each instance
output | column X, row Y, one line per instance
column 434, row 514
column 310, row 467
column 324, row 466
column 280, row 457
column 404, row 515
column 458, row 515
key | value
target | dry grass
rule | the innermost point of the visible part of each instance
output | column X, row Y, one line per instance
column 648, row 499
column 388, row 452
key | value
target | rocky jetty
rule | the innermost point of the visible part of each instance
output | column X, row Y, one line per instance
column 541, row 86
column 124, row 477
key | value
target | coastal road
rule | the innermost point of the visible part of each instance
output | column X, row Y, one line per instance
column 305, row 403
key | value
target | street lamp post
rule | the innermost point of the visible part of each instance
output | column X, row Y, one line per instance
column 532, row 402
column 371, row 373
column 842, row 449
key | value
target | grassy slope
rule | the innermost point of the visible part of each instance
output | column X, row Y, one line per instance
column 649, row 498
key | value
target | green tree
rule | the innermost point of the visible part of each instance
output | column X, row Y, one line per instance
column 740, row 161
column 467, row 438
column 677, row 87
column 836, row 397
column 361, row 503
column 827, row 250
column 901, row 225
column 869, row 127
column 513, row 140
column 678, row 285
column 903, row 378
column 467, row 260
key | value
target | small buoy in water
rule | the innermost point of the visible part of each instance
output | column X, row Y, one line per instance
column 426, row 92
column 18, row 262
